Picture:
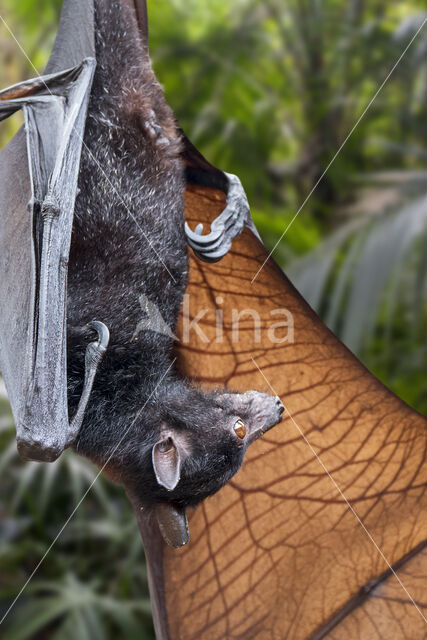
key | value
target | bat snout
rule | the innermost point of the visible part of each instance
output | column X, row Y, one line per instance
column 267, row 412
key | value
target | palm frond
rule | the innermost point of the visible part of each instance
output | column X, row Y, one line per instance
column 368, row 263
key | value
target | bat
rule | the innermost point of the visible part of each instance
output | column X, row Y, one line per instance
column 322, row 533
column 107, row 231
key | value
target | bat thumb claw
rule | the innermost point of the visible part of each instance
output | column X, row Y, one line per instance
column 103, row 333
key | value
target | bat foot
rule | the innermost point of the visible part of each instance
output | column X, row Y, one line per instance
column 225, row 228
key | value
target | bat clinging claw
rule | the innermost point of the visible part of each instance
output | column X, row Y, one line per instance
column 225, row 228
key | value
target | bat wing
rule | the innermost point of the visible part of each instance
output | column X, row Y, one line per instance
column 322, row 533
column 38, row 178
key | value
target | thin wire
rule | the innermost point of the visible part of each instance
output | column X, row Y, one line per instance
column 90, row 153
column 382, row 85
column 344, row 498
column 84, row 496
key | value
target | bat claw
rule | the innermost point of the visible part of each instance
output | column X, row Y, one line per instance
column 103, row 334
column 227, row 226
column 201, row 241
column 93, row 357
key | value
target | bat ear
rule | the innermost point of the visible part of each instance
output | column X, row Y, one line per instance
column 166, row 463
column 173, row 524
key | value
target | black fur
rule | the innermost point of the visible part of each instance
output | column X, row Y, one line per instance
column 128, row 239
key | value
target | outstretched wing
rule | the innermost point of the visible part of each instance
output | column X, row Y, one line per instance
column 322, row 533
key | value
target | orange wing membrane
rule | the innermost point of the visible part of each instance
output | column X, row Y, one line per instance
column 322, row 533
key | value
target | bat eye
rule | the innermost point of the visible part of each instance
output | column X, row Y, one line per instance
column 165, row 445
column 240, row 429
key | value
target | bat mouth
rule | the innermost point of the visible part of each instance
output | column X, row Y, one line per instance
column 258, row 433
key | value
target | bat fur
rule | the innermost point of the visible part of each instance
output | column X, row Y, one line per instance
column 128, row 240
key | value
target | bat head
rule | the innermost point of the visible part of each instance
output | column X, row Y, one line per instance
column 182, row 446
column 199, row 446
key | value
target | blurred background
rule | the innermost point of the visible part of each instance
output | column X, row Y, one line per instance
column 267, row 90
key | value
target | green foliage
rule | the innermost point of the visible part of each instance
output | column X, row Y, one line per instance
column 76, row 609
column 273, row 94
column 268, row 91
column 368, row 281
column 93, row 583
